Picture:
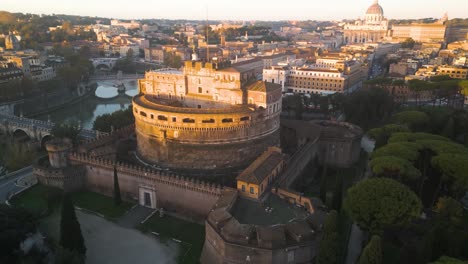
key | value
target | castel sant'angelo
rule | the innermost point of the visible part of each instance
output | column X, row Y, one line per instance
column 214, row 117
column 208, row 116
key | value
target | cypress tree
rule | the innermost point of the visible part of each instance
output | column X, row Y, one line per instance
column 328, row 251
column 70, row 230
column 117, row 198
column 372, row 253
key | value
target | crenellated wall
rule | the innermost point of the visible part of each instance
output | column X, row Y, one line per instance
column 186, row 196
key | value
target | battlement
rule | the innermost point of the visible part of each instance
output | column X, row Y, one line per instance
column 106, row 138
column 163, row 177
column 198, row 65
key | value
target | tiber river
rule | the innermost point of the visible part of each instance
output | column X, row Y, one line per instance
column 106, row 100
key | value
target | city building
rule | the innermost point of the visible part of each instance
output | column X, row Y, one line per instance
column 327, row 76
column 184, row 119
column 373, row 28
column 9, row 72
column 12, row 42
column 456, row 72
column 127, row 25
column 434, row 32
column 256, row 180
column 154, row 54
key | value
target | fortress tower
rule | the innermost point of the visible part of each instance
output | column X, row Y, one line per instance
column 58, row 152
column 208, row 116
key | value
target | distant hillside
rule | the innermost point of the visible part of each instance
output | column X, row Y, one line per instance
column 7, row 18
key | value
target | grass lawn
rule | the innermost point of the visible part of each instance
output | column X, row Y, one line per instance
column 100, row 204
column 192, row 235
column 36, row 199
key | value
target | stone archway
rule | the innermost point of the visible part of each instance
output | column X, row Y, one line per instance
column 20, row 135
column 44, row 140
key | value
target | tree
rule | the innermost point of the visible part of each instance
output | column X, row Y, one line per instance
column 454, row 169
column 377, row 203
column 408, row 43
column 382, row 134
column 415, row 120
column 372, row 253
column 130, row 54
column 404, row 150
column 394, row 167
column 449, row 129
column 118, row 119
column 70, row 230
column 15, row 225
column 66, row 130
column 368, row 107
column 172, row 60
column 448, row 260
column 328, row 251
column 65, row 256
column 117, row 198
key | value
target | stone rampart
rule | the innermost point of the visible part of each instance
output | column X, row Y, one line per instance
column 187, row 196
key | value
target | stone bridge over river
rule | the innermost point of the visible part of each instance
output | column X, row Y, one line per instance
column 35, row 130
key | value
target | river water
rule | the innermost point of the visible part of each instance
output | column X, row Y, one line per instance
column 106, row 100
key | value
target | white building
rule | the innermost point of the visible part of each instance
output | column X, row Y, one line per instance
column 373, row 28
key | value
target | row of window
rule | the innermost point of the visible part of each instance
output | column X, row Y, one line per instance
column 191, row 120
column 315, row 74
column 318, row 85
column 313, row 79
column 252, row 190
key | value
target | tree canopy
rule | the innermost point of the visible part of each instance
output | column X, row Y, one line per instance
column 415, row 120
column 448, row 260
column 116, row 120
column 70, row 230
column 372, row 253
column 66, row 130
column 15, row 225
column 377, row 203
column 368, row 107
column 382, row 134
column 328, row 251
column 394, row 167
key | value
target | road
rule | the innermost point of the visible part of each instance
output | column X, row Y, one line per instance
column 7, row 184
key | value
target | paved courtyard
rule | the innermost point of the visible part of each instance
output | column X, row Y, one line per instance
column 109, row 243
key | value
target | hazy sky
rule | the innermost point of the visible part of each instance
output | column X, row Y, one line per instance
column 239, row 9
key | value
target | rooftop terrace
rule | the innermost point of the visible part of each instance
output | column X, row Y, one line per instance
column 252, row 212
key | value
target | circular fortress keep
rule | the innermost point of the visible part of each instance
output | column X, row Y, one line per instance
column 205, row 117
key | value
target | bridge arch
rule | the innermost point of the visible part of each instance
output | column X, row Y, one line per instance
column 103, row 66
column 20, row 135
column 44, row 140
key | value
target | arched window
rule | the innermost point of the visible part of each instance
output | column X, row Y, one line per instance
column 188, row 120
column 142, row 113
column 208, row 121
column 245, row 118
column 161, row 117
column 227, row 120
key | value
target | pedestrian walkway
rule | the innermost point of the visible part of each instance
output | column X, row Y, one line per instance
column 354, row 245
column 135, row 216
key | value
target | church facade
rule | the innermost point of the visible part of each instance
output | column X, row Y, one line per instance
column 373, row 28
